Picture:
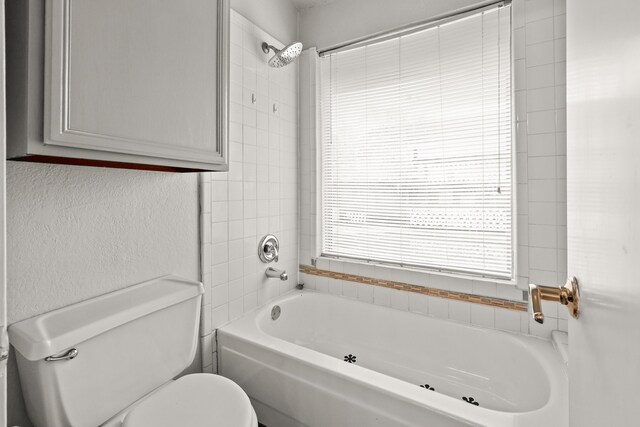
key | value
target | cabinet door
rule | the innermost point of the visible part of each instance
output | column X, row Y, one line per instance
column 142, row 77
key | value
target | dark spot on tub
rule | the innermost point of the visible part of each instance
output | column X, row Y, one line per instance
column 427, row 386
column 350, row 358
column 470, row 400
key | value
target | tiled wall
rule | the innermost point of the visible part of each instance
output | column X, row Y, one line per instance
column 259, row 193
column 540, row 115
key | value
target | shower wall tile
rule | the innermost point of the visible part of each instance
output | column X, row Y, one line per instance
column 539, row 30
column 259, row 193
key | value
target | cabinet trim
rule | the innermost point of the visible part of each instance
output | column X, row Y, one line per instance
column 58, row 131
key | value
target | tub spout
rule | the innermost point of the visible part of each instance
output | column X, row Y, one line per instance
column 273, row 273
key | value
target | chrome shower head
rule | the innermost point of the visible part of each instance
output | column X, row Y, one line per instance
column 282, row 56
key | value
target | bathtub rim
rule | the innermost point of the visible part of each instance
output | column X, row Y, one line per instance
column 247, row 329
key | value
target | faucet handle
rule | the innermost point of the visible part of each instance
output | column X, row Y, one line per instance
column 268, row 249
column 568, row 295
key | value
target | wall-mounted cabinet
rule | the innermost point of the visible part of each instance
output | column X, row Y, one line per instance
column 122, row 83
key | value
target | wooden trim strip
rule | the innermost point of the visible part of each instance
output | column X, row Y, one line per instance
column 432, row 292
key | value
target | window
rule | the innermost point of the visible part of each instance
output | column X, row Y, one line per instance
column 417, row 147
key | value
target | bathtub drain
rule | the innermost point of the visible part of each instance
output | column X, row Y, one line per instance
column 275, row 312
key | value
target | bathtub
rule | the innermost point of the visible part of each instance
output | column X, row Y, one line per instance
column 331, row 361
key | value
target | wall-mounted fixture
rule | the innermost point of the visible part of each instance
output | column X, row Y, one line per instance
column 274, row 273
column 283, row 56
column 268, row 249
column 568, row 295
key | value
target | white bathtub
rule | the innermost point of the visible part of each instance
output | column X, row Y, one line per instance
column 295, row 372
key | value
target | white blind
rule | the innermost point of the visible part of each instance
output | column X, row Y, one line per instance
column 416, row 148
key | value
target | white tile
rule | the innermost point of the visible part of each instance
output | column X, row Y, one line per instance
column 335, row 287
column 560, row 73
column 521, row 136
column 400, row 300
column 219, row 253
column 236, row 309
column 219, row 274
column 487, row 289
column 438, row 307
column 541, row 99
column 561, row 120
column 236, row 288
column 522, row 263
column 521, row 105
column 519, row 43
column 482, row 315
column 561, row 96
column 540, row 76
column 542, row 213
column 522, row 230
column 560, row 26
column 250, row 301
column 350, row 290
column 460, row 311
column 560, row 50
column 561, row 143
column 522, row 165
column 522, row 196
column 538, row 9
column 540, row 53
column 542, row 144
column 543, row 259
column 418, row 303
column 542, row 236
column 507, row 320
column 382, row 296
column 541, row 122
column 542, row 190
column 365, row 293
column 540, row 31
column 542, row 167
column 520, row 75
column 544, row 330
column 322, row 284
column 518, row 14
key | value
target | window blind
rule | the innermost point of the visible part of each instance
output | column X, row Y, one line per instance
column 416, row 148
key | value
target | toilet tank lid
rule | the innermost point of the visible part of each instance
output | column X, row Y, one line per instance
column 58, row 330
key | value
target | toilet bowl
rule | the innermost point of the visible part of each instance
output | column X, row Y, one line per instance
column 110, row 362
column 196, row 400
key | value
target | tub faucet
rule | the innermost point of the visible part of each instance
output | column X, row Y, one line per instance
column 568, row 295
column 273, row 273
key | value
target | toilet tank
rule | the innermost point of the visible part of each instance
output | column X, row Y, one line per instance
column 128, row 343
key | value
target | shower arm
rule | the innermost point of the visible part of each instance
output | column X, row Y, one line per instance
column 266, row 47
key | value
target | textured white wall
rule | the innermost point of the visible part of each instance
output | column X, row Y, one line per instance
column 75, row 232
column 78, row 232
column 345, row 20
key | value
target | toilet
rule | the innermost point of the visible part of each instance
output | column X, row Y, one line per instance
column 112, row 361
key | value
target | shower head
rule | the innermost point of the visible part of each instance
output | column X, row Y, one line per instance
column 282, row 56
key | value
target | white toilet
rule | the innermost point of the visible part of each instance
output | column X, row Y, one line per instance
column 110, row 361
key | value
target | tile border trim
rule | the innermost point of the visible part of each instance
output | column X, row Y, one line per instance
column 432, row 292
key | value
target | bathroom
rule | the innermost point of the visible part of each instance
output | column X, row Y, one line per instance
column 409, row 339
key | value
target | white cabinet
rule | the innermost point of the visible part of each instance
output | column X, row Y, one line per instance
column 123, row 83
